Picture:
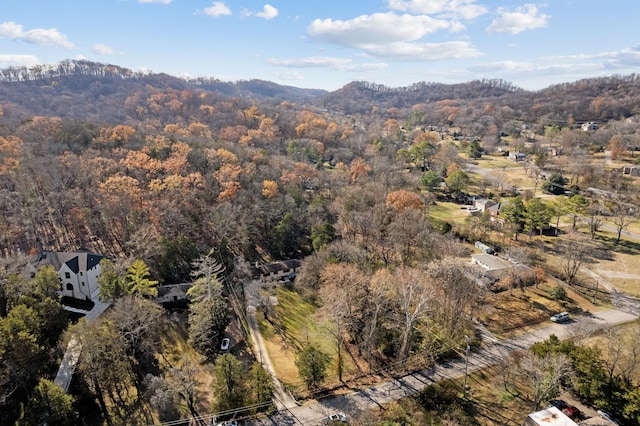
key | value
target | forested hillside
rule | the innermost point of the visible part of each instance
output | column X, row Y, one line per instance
column 158, row 173
column 99, row 157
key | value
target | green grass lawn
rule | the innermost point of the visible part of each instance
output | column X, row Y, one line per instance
column 448, row 212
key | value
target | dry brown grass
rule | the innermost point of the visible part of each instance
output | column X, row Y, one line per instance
column 293, row 325
column 515, row 312
column 176, row 350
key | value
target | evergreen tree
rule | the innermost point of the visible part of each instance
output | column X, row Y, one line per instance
column 229, row 388
column 50, row 405
column 207, row 321
column 312, row 365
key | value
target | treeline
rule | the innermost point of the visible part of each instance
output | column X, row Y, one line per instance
column 65, row 69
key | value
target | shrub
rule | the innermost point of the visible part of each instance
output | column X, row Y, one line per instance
column 558, row 293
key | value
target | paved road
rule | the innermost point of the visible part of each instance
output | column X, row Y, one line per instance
column 493, row 353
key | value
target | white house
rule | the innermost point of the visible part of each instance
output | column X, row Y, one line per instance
column 78, row 272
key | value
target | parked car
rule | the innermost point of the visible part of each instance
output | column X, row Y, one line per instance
column 225, row 344
column 561, row 317
column 558, row 403
column 608, row 416
column 571, row 411
column 228, row 423
column 336, row 418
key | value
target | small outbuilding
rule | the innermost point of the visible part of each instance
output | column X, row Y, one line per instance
column 549, row 417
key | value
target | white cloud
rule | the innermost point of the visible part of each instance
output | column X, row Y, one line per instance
column 40, row 36
column 339, row 64
column 18, row 60
column 290, row 75
column 403, row 51
column 217, row 8
column 379, row 28
column 465, row 9
column 268, row 12
column 155, row 1
column 524, row 18
column 103, row 49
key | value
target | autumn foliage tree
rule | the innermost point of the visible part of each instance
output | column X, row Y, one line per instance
column 402, row 199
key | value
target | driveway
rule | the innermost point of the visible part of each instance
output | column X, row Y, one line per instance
column 282, row 399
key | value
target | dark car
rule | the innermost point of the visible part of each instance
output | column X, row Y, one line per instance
column 558, row 403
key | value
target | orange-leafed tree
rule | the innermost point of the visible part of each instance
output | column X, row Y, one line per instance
column 10, row 148
column 207, row 110
column 311, row 125
column 269, row 188
column 297, row 176
column 359, row 169
column 121, row 134
column 198, row 129
column 137, row 161
column 229, row 191
column 178, row 160
column 233, row 133
column 402, row 199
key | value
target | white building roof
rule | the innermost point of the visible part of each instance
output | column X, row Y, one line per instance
column 549, row 417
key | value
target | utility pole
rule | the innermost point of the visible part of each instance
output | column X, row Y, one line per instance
column 466, row 367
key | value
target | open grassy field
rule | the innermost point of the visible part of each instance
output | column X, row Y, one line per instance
column 447, row 211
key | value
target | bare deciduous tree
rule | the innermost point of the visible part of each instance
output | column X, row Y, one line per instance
column 622, row 215
column 573, row 252
column 545, row 374
column 413, row 295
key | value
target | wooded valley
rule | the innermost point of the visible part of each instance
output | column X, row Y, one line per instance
column 172, row 179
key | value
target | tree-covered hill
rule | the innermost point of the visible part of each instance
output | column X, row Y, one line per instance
column 73, row 88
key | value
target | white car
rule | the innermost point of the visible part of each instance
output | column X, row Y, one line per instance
column 561, row 317
column 228, row 423
column 225, row 344
column 607, row 416
column 337, row 417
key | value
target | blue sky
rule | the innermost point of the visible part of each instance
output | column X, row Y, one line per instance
column 326, row 44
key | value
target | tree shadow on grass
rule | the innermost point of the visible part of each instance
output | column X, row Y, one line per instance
column 623, row 246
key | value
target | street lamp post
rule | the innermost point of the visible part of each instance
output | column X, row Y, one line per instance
column 466, row 367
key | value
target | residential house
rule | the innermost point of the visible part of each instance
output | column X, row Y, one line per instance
column 490, row 262
column 282, row 270
column 517, row 156
column 494, row 212
column 172, row 293
column 483, row 204
column 78, row 272
column 631, row 170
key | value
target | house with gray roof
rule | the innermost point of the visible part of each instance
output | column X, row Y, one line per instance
column 78, row 272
